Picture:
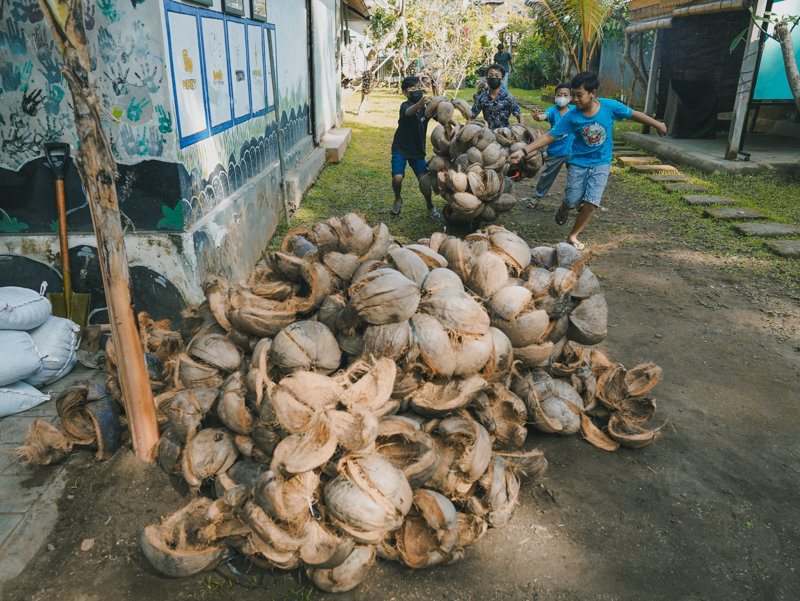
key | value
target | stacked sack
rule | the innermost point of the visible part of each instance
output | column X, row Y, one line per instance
column 36, row 348
column 470, row 169
column 357, row 399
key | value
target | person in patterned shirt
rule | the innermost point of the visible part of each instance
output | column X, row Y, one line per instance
column 497, row 105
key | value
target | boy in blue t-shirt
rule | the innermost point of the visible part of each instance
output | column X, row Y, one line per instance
column 558, row 151
column 591, row 125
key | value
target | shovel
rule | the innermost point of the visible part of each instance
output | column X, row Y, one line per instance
column 69, row 304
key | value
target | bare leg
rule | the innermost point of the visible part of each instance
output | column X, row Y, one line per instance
column 583, row 218
column 425, row 193
column 397, row 186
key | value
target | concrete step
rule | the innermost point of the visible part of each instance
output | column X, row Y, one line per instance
column 624, row 152
column 734, row 214
column 684, row 187
column 653, row 169
column 767, row 230
column 672, row 177
column 704, row 200
column 645, row 160
column 335, row 142
column 303, row 176
column 785, row 248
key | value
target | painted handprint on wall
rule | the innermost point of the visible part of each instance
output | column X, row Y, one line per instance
column 88, row 17
column 54, row 96
column 135, row 108
column 148, row 77
column 108, row 8
column 108, row 46
column 15, row 38
column 11, row 77
column 31, row 102
column 51, row 67
column 118, row 80
column 164, row 120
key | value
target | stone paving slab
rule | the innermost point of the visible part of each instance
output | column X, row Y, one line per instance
column 17, row 494
column 672, row 177
column 653, row 169
column 643, row 160
column 785, row 248
column 701, row 200
column 624, row 152
column 684, row 187
column 767, row 230
column 8, row 521
column 730, row 214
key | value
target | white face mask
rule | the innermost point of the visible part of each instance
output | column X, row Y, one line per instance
column 561, row 101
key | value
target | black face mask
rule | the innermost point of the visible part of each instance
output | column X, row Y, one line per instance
column 494, row 82
column 415, row 96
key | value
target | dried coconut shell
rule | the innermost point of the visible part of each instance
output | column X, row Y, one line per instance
column 433, row 105
column 468, row 132
column 642, row 378
column 210, row 452
column 458, row 256
column 296, row 454
column 44, row 444
column 533, row 387
column 589, row 321
column 306, row 345
column 390, row 340
column 231, row 407
column 439, row 398
column 172, row 547
column 437, row 163
column 346, row 576
column 568, row 256
column 341, row 266
column 356, row 431
column 464, row 108
column 544, row 256
column 488, row 275
column 465, row 448
column 528, row 465
column 261, row 317
column 298, row 397
column 368, row 388
column 563, row 282
column 525, row 329
column 355, row 236
column 587, row 285
column 503, row 415
column 380, row 244
column 429, row 533
column 456, row 311
column 187, row 409
column 465, row 203
column 472, row 355
column 216, row 291
column 484, row 139
column 511, row 247
column 501, row 359
column 456, row 181
column 431, row 258
column 436, row 240
column 168, row 450
column 474, row 156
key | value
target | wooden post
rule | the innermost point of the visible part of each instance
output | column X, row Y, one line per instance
column 652, row 80
column 744, row 90
column 98, row 171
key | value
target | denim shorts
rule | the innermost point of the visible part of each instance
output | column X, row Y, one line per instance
column 419, row 166
column 585, row 184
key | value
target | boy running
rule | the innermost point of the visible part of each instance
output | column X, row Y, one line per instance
column 558, row 151
column 591, row 126
column 408, row 145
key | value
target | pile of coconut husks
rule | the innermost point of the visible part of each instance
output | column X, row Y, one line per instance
column 357, row 398
column 469, row 169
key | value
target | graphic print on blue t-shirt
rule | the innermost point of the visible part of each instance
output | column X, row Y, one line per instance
column 594, row 134
column 592, row 143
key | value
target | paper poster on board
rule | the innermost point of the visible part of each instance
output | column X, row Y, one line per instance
column 215, row 52
column 256, row 45
column 237, row 44
column 186, row 66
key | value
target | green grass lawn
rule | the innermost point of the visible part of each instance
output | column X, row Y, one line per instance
column 530, row 95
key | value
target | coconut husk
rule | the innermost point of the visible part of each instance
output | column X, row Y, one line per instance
column 380, row 244
column 534, row 355
column 355, row 236
column 629, row 435
column 588, row 321
column 611, row 387
column 356, row 431
column 431, row 258
column 210, row 452
column 44, row 444
column 568, row 257
column 369, row 498
column 173, row 547
column 503, row 415
column 231, row 407
column 441, row 278
column 439, row 398
column 249, row 449
column 513, row 249
column 298, row 397
column 187, row 410
column 351, row 343
column 637, row 411
column 430, row 347
column 264, row 437
column 410, row 449
column 278, row 543
column 472, row 355
column 458, row 256
column 433, row 105
column 642, row 378
column 216, row 350
column 457, row 182
column 501, row 358
column 381, row 297
column 258, row 316
column 456, row 311
column 524, row 328
column 429, row 533
column 71, row 408
column 169, row 448
column 297, row 453
column 488, row 275
column 191, row 374
column 527, row 465
column 465, row 203
column 544, row 257
column 368, row 387
column 533, row 387
column 284, row 266
column 409, row 263
column 346, row 576
column 404, row 385
column 217, row 291
column 437, row 163
column 306, row 345
column 436, row 240
column 465, row 448
column 563, row 282
column 390, row 341
column 595, row 436
column 587, row 285
column 263, row 282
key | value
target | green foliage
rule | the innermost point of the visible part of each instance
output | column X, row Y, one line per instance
column 173, row 218
column 536, row 61
column 10, row 225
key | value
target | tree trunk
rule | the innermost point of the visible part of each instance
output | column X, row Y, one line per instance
column 785, row 38
column 98, row 171
column 387, row 39
column 362, row 108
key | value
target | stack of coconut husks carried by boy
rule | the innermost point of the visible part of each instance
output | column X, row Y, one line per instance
column 356, row 398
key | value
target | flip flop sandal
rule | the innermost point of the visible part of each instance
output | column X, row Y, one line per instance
column 395, row 210
column 577, row 244
column 561, row 218
column 534, row 203
column 434, row 214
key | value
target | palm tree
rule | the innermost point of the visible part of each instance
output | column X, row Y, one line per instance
column 577, row 24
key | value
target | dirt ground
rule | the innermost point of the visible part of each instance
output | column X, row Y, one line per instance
column 709, row 511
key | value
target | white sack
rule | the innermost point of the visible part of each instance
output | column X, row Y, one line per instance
column 19, row 357
column 20, row 397
column 22, row 308
column 57, row 342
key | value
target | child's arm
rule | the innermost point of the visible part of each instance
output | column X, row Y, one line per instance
column 540, row 142
column 520, row 118
column 538, row 115
column 412, row 110
column 645, row 120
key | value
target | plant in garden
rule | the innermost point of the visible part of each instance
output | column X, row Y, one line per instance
column 782, row 28
column 537, row 59
column 575, row 25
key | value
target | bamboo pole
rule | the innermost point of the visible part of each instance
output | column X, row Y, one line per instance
column 98, row 171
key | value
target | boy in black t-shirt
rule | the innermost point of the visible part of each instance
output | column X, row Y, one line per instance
column 409, row 143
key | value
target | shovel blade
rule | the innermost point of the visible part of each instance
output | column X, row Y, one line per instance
column 79, row 308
